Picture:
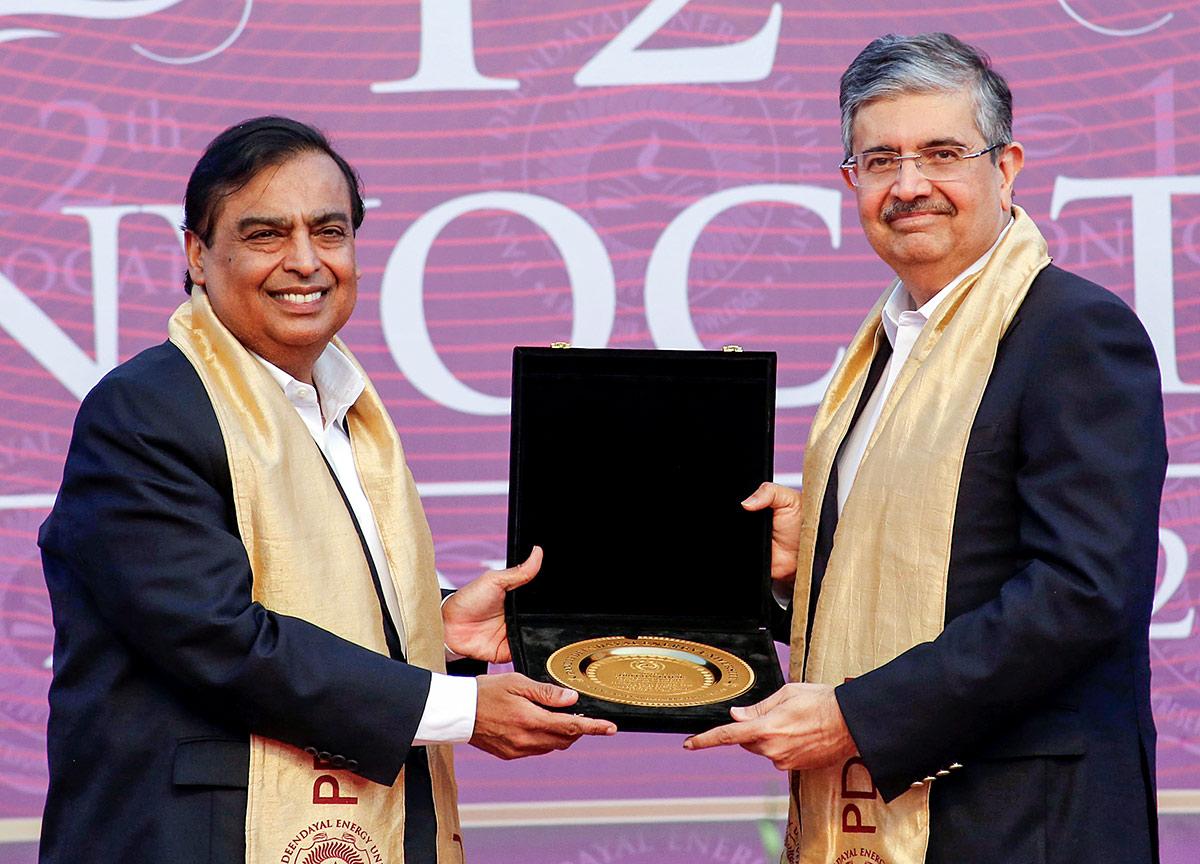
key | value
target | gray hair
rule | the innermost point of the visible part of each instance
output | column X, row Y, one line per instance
column 927, row 63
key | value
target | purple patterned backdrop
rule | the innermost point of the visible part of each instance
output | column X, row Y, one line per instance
column 626, row 173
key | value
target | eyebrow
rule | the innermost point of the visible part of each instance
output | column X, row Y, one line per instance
column 942, row 142
column 323, row 217
column 934, row 142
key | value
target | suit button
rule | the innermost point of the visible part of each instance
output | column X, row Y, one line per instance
column 352, row 764
column 324, row 755
column 311, row 751
column 943, row 773
column 916, row 784
column 955, row 766
column 930, row 779
column 337, row 760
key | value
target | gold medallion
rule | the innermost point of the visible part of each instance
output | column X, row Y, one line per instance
column 651, row 671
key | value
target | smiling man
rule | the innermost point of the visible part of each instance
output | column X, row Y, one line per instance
column 249, row 650
column 282, row 278
column 974, row 550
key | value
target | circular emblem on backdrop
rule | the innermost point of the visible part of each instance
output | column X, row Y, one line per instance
column 630, row 159
column 26, row 642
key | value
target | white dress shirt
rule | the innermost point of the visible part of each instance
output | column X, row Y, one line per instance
column 902, row 324
column 449, row 715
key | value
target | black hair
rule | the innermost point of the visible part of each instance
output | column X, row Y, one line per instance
column 235, row 157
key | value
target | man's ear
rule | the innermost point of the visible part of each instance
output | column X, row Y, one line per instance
column 1012, row 160
column 194, row 248
column 849, row 183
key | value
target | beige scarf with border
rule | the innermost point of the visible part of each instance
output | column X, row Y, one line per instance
column 297, row 531
column 884, row 588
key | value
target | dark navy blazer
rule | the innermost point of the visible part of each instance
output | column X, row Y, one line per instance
column 1039, row 685
column 163, row 665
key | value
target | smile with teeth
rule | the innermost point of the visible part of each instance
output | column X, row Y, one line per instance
column 300, row 298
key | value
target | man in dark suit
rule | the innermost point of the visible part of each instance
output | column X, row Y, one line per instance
column 1026, row 721
column 164, row 665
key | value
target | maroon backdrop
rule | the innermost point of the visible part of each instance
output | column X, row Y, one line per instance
column 628, row 173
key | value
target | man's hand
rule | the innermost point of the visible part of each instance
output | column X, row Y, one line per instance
column 785, row 530
column 799, row 726
column 473, row 616
column 510, row 722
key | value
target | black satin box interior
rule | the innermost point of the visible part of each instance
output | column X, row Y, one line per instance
column 628, row 468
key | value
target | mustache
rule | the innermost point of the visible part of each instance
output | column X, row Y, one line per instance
column 905, row 208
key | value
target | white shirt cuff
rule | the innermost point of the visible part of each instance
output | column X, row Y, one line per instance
column 450, row 655
column 782, row 595
column 449, row 716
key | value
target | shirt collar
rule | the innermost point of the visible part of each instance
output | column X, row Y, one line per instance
column 900, row 303
column 338, row 384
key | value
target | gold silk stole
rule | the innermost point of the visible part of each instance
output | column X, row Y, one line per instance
column 884, row 588
column 308, row 562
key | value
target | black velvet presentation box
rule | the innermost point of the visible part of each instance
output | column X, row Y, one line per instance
column 628, row 468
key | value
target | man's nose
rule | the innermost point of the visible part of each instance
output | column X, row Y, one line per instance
column 302, row 257
column 910, row 183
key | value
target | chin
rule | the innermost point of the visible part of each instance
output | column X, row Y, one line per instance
column 919, row 250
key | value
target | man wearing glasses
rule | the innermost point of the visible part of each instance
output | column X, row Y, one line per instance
column 975, row 546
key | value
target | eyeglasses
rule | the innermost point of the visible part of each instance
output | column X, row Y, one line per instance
column 879, row 167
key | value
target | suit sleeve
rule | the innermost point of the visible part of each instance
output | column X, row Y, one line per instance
column 143, row 525
column 1092, row 458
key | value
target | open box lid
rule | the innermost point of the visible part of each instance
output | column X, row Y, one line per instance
column 628, row 467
